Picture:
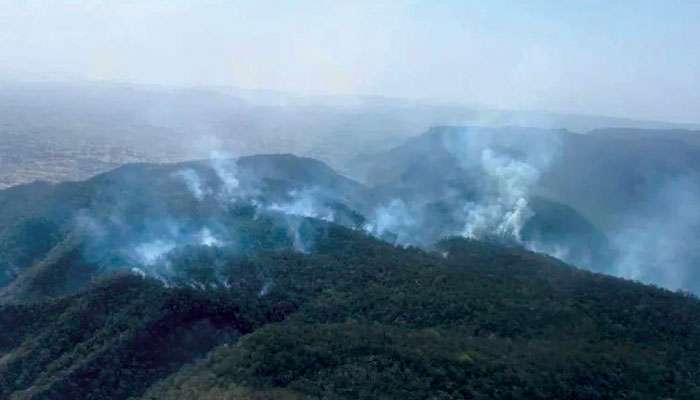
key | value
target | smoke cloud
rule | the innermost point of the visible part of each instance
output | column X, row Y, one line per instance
column 209, row 209
column 394, row 222
column 306, row 202
column 658, row 240
column 193, row 182
column 506, row 210
column 493, row 195
column 489, row 196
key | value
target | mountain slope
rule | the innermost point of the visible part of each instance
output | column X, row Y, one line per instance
column 258, row 279
column 634, row 192
column 358, row 318
column 629, row 164
column 126, row 216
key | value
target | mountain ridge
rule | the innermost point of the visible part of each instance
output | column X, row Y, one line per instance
column 252, row 279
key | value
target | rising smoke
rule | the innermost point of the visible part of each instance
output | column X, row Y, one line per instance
column 193, row 182
column 498, row 175
column 504, row 169
column 495, row 196
column 658, row 239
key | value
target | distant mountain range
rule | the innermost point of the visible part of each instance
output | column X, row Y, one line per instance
column 72, row 131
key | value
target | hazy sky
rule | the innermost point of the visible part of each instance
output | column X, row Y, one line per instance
column 637, row 59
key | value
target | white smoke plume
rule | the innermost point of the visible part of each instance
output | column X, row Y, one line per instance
column 506, row 168
column 149, row 253
column 193, row 182
column 226, row 169
column 499, row 173
column 504, row 210
column 393, row 218
column 305, row 203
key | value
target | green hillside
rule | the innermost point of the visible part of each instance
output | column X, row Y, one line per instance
column 186, row 282
column 358, row 318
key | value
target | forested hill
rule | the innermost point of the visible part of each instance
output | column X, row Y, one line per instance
column 259, row 278
column 640, row 188
column 358, row 318
column 134, row 215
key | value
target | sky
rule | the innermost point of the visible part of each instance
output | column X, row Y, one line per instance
column 635, row 58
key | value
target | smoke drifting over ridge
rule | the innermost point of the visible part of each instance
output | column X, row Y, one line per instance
column 518, row 185
column 495, row 196
column 509, row 169
column 485, row 189
column 476, row 182
column 146, row 218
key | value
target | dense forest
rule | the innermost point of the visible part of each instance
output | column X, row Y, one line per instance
column 358, row 318
column 161, row 282
column 341, row 200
